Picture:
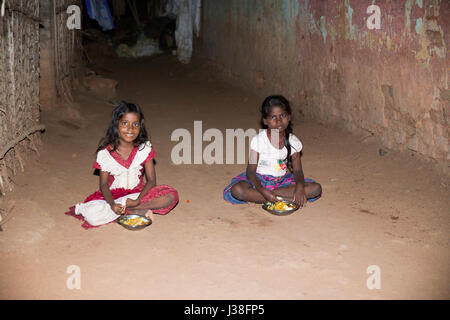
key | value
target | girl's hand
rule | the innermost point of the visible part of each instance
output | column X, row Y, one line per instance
column 132, row 203
column 300, row 196
column 118, row 209
column 269, row 195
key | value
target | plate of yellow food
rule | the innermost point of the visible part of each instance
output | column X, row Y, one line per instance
column 134, row 221
column 280, row 207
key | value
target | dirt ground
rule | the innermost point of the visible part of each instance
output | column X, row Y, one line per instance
column 388, row 211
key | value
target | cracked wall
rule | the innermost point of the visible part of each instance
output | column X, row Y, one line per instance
column 391, row 82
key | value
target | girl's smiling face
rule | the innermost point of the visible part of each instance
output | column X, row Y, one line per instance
column 277, row 118
column 129, row 127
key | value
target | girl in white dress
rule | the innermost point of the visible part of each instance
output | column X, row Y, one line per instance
column 124, row 157
column 274, row 168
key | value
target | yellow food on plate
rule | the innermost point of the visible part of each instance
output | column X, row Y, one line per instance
column 135, row 222
column 280, row 206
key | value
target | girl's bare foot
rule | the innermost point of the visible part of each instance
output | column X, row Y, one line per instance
column 142, row 212
column 149, row 215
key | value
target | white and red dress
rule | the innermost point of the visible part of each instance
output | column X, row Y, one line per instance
column 126, row 180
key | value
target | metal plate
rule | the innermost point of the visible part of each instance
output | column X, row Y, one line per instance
column 266, row 206
column 123, row 219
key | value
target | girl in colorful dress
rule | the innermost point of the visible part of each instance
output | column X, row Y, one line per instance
column 124, row 156
column 273, row 153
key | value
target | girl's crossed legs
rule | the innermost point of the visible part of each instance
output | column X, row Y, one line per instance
column 241, row 190
column 160, row 199
column 244, row 191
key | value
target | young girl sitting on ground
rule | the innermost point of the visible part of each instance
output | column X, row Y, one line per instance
column 123, row 156
column 272, row 152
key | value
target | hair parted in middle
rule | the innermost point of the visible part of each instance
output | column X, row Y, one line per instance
column 282, row 102
column 112, row 133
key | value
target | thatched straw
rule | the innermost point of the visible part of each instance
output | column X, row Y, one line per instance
column 19, row 84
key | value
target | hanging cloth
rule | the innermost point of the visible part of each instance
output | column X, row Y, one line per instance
column 99, row 10
column 188, row 23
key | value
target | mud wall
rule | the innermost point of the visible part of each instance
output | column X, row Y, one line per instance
column 390, row 82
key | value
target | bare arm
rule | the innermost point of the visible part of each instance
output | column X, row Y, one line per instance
column 150, row 175
column 299, row 193
column 251, row 176
column 106, row 192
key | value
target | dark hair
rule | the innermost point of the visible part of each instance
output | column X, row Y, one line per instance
column 279, row 101
column 112, row 133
